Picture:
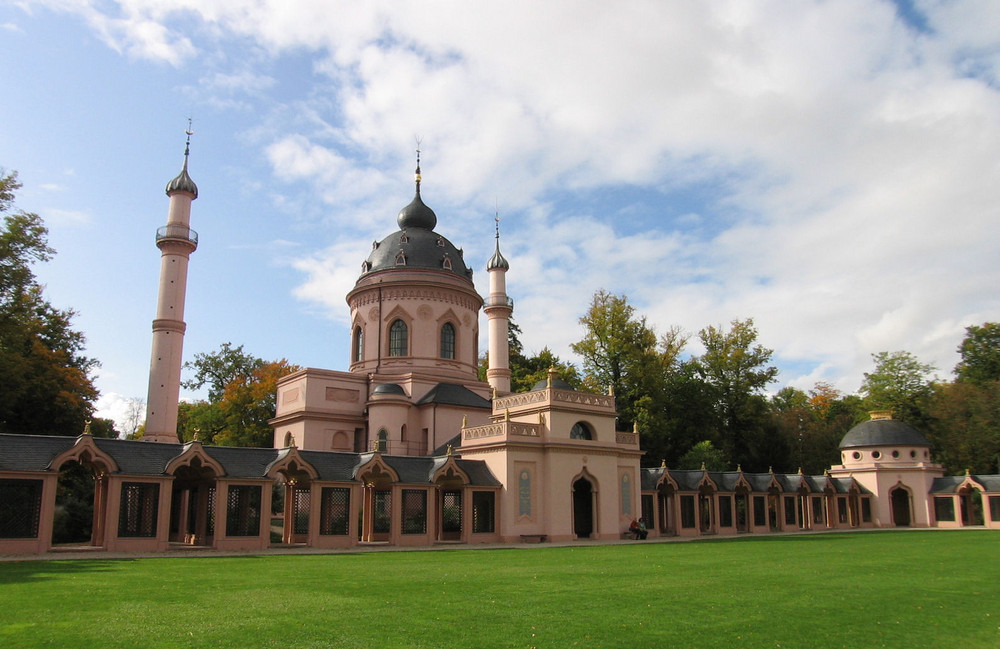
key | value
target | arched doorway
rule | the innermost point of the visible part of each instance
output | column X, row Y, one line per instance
column 900, row 507
column 192, row 504
column 583, row 508
column 665, row 500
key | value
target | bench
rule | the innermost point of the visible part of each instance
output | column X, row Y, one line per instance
column 533, row 538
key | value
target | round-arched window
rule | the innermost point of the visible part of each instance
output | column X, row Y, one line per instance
column 856, row 455
column 580, row 430
column 876, row 454
column 398, row 335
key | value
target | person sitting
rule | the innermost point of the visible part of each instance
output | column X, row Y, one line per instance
column 642, row 531
column 633, row 529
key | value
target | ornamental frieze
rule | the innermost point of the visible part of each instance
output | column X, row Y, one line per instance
column 460, row 299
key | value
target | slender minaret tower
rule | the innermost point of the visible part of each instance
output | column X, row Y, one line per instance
column 176, row 241
column 498, row 308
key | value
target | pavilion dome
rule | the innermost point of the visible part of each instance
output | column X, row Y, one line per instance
column 883, row 432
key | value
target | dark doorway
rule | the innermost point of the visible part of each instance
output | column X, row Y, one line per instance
column 583, row 508
column 900, row 507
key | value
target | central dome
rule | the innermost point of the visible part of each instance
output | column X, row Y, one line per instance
column 416, row 245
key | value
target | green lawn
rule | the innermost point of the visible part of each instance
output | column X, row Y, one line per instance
column 877, row 589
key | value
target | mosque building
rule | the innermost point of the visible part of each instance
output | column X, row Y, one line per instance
column 409, row 447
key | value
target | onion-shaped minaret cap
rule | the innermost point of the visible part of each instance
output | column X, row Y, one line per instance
column 183, row 182
column 497, row 261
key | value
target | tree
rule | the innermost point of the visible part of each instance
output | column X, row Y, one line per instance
column 219, row 369
column 900, row 383
column 241, row 398
column 980, row 351
column 736, row 371
column 965, row 427
column 526, row 372
column 134, row 417
column 619, row 351
column 248, row 405
column 47, row 387
column 704, row 455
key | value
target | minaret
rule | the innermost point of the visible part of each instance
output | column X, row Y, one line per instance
column 498, row 308
column 176, row 241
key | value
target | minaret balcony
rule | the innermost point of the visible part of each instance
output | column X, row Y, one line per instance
column 177, row 233
column 499, row 300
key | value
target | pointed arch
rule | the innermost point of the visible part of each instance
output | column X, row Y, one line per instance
column 194, row 456
column 376, row 472
column 289, row 465
column 86, row 452
column 450, row 473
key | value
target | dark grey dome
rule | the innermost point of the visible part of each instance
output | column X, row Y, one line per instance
column 416, row 215
column 416, row 248
column 883, row 432
column 389, row 388
column 557, row 383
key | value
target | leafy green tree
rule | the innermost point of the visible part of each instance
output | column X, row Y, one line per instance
column 965, row 427
column 526, row 372
column 219, row 369
column 619, row 351
column 900, row 383
column 980, row 351
column 736, row 371
column 812, row 426
column 704, row 454
column 47, row 387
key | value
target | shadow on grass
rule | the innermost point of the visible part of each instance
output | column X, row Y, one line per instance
column 12, row 572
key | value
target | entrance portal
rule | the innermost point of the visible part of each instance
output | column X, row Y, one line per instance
column 583, row 508
column 900, row 507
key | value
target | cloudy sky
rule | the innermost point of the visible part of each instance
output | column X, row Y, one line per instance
column 829, row 169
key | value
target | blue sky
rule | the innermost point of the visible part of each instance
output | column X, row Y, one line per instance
column 826, row 168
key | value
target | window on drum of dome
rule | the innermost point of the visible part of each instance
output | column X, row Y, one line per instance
column 359, row 344
column 448, row 341
column 398, row 334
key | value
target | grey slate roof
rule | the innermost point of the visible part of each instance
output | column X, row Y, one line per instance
column 31, row 452
column 950, row 483
column 36, row 452
column 883, row 432
column 454, row 395
column 142, row 458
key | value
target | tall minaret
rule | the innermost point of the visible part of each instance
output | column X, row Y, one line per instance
column 176, row 242
column 498, row 308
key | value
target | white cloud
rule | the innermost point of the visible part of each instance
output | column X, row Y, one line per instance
column 844, row 161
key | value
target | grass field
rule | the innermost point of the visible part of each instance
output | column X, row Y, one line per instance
column 876, row 589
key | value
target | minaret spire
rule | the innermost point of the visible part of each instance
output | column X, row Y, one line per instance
column 416, row 174
column 498, row 308
column 176, row 241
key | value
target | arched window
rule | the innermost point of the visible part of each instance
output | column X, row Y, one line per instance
column 398, row 335
column 358, row 350
column 580, row 430
column 448, row 341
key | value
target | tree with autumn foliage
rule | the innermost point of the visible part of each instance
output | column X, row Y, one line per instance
column 241, row 398
column 45, row 380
